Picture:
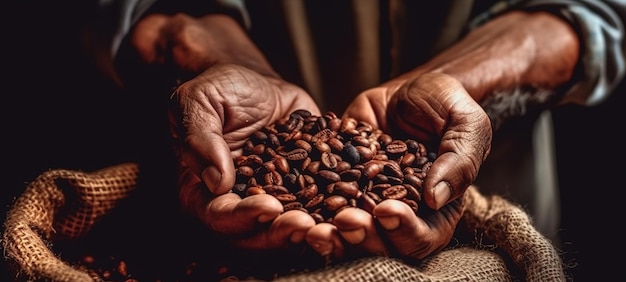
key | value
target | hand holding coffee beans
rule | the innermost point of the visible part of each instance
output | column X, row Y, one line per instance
column 322, row 164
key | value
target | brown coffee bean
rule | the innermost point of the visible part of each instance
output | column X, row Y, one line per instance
column 329, row 176
column 335, row 144
column 358, row 165
column 328, row 160
column 321, row 147
column 348, row 189
column 315, row 201
column 297, row 154
column 302, row 144
column 308, row 192
column 396, row 147
column 286, row 198
column 281, row 164
column 255, row 190
column 414, row 181
column 245, row 171
column 323, row 135
column 342, row 166
column 273, row 178
column 292, row 206
column 335, row 202
column 313, row 167
column 365, row 153
column 275, row 189
column 350, row 175
column 396, row 192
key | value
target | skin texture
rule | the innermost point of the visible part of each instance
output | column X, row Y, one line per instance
column 232, row 91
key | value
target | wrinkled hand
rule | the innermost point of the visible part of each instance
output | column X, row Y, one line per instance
column 213, row 115
column 432, row 104
column 231, row 92
column 434, row 109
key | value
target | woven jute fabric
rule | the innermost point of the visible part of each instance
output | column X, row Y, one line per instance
column 498, row 241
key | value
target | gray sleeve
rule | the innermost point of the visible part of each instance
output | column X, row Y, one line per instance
column 600, row 25
column 113, row 19
column 116, row 17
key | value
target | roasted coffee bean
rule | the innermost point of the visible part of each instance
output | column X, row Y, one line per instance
column 315, row 201
column 335, row 202
column 286, row 198
column 328, row 160
column 323, row 164
column 292, row 206
column 308, row 192
column 396, row 192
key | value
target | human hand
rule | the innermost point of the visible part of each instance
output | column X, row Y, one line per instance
column 437, row 103
column 230, row 92
column 211, row 118
column 434, row 109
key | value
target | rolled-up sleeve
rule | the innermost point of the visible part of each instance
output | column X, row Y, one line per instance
column 600, row 25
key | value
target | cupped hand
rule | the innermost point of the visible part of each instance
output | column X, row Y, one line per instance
column 434, row 109
column 211, row 118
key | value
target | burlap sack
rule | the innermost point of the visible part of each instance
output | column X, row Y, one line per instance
column 62, row 204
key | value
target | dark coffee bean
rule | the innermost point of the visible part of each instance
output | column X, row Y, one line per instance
column 351, row 154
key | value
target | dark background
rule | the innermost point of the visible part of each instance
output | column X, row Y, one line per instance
column 58, row 113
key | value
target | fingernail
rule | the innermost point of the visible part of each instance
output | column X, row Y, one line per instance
column 354, row 236
column 443, row 191
column 297, row 236
column 211, row 177
column 323, row 248
column 265, row 217
column 389, row 222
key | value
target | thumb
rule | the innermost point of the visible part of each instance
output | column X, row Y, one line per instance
column 209, row 157
column 462, row 150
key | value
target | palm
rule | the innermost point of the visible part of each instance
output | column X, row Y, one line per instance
column 437, row 110
column 215, row 114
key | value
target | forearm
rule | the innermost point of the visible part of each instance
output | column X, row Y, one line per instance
column 517, row 49
column 194, row 44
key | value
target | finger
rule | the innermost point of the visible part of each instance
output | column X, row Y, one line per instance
column 325, row 239
column 357, row 228
column 286, row 230
column 229, row 214
column 462, row 150
column 209, row 156
column 413, row 236
column 197, row 127
column 435, row 108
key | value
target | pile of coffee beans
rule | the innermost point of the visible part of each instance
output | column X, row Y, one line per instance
column 322, row 164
